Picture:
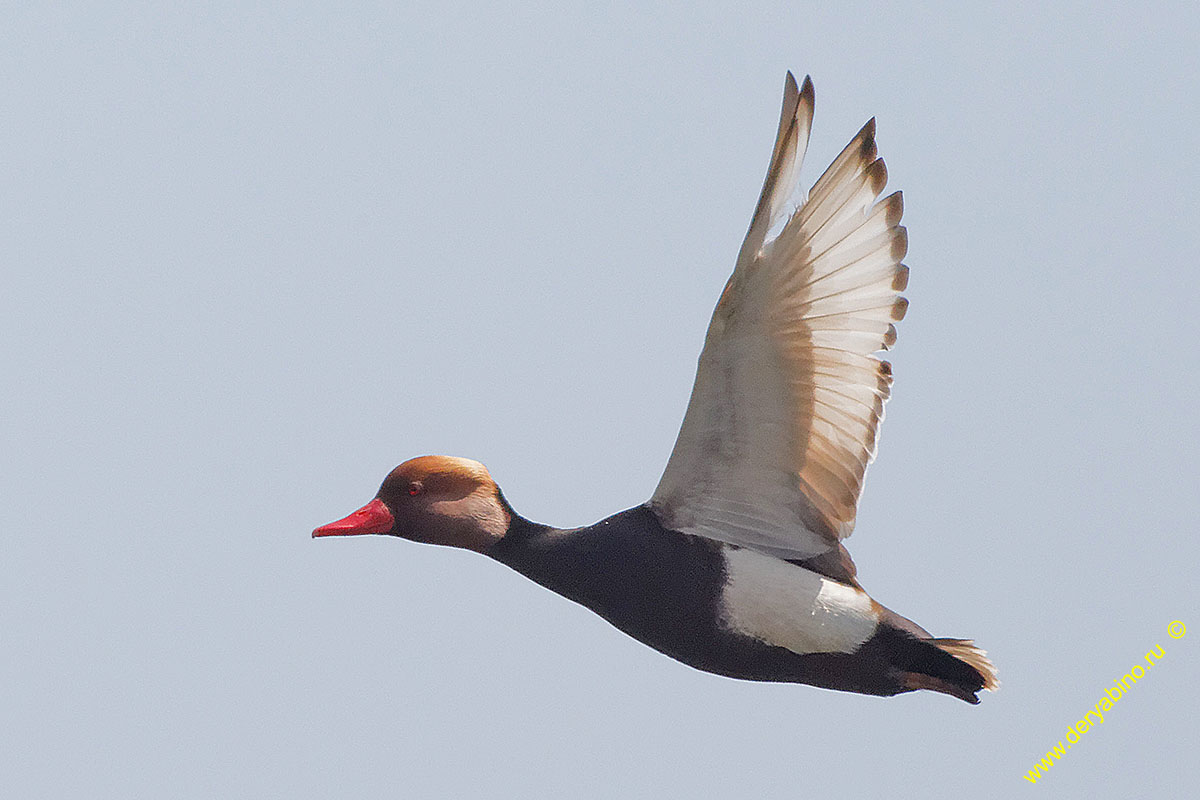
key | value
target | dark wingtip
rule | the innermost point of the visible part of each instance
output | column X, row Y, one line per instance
column 807, row 93
column 900, row 243
column 893, row 206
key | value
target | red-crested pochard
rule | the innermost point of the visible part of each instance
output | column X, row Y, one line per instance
column 735, row 565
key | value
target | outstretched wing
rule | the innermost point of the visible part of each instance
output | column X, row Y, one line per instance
column 788, row 397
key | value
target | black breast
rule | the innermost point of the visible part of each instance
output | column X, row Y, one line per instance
column 659, row 586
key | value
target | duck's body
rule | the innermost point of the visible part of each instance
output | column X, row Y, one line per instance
column 729, row 610
column 736, row 565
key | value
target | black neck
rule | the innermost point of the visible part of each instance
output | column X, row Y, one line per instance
column 521, row 534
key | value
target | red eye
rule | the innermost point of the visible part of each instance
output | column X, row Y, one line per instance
column 414, row 489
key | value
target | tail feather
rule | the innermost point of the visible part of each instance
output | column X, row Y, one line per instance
column 951, row 666
column 975, row 657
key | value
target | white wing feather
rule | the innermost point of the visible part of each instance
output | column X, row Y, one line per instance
column 788, row 398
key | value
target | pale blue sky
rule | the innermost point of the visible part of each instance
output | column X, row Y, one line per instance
column 254, row 258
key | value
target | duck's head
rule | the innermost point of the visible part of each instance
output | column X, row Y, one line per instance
column 432, row 499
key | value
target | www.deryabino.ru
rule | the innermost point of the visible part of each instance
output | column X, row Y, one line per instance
column 1095, row 715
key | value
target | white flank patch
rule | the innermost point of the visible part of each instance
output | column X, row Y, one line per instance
column 788, row 606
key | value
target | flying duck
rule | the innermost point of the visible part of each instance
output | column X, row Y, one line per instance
column 736, row 564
